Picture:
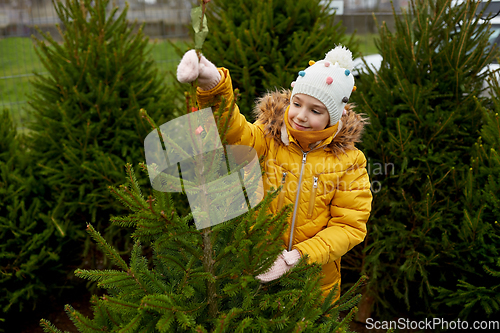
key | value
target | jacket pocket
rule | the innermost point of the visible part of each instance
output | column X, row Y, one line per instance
column 312, row 199
column 281, row 197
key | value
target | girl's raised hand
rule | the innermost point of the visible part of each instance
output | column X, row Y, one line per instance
column 191, row 68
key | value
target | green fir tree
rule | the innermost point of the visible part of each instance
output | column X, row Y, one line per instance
column 203, row 279
column 30, row 242
column 424, row 121
column 478, row 296
column 86, row 111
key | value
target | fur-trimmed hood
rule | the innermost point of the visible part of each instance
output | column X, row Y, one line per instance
column 270, row 109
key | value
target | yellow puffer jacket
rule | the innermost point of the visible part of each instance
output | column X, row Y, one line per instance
column 329, row 185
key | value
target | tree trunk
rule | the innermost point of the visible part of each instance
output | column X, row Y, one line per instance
column 208, row 265
column 365, row 308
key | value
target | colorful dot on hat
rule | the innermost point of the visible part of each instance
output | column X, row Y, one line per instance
column 293, row 84
column 302, row 73
column 327, row 63
column 329, row 80
column 345, row 99
column 354, row 88
column 347, row 72
column 311, row 62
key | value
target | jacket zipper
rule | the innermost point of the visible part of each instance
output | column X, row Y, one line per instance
column 292, row 229
column 313, row 196
column 282, row 193
column 304, row 156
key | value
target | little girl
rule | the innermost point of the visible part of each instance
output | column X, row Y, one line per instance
column 307, row 136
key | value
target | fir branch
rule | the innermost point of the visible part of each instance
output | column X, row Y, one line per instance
column 185, row 183
column 97, row 275
column 161, row 303
column 163, row 325
column 200, row 329
column 184, row 319
column 172, row 259
column 137, row 280
column 133, row 179
column 180, row 243
column 224, row 321
column 344, row 324
column 138, row 198
column 187, row 274
column 350, row 303
column 119, row 193
column 173, row 144
column 124, row 306
column 361, row 282
column 244, row 325
column 491, row 271
column 155, row 282
column 132, row 325
column 103, row 176
column 119, row 282
column 148, row 230
column 125, row 221
column 150, row 202
column 48, row 327
column 109, row 251
column 104, row 311
column 81, row 322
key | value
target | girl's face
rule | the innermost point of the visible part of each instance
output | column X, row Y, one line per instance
column 306, row 113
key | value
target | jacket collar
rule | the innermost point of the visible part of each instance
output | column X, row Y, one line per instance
column 286, row 137
column 269, row 112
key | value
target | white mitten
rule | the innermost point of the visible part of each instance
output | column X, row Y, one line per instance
column 285, row 261
column 190, row 69
column 292, row 257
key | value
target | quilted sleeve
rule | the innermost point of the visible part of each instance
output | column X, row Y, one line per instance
column 239, row 131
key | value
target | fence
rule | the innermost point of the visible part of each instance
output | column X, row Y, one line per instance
column 18, row 60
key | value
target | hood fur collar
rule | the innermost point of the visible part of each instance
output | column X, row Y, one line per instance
column 270, row 110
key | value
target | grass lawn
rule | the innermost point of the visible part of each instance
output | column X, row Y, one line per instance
column 367, row 44
column 18, row 61
column 166, row 58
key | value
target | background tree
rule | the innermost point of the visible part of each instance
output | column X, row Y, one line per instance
column 265, row 44
column 31, row 243
column 424, row 121
column 86, row 126
column 479, row 296
column 86, row 111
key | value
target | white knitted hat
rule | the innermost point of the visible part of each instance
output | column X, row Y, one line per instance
column 329, row 80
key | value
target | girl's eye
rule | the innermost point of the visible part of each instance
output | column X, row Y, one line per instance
column 296, row 104
column 316, row 112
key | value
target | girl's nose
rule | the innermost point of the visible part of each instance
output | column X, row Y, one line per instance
column 302, row 115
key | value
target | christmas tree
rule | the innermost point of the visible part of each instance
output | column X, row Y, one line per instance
column 86, row 111
column 30, row 242
column 480, row 298
column 424, row 121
